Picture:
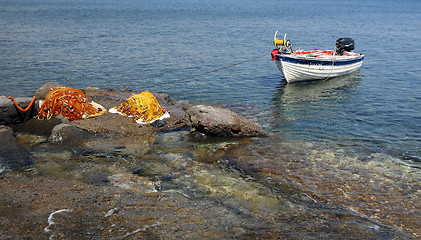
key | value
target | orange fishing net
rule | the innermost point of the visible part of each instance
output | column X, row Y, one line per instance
column 69, row 102
column 143, row 107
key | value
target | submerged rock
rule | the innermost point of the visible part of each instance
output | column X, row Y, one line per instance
column 39, row 127
column 132, row 182
column 222, row 123
column 64, row 132
column 134, row 145
column 12, row 156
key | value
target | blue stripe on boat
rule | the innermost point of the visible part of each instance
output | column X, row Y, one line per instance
column 317, row 62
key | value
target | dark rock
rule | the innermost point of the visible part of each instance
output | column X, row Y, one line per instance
column 222, row 123
column 161, row 97
column 8, row 141
column 10, row 114
column 64, row 132
column 39, row 127
column 133, row 145
column 43, row 91
column 12, row 156
column 116, row 124
column 95, row 177
column 158, row 123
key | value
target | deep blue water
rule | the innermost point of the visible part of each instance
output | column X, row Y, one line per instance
column 191, row 50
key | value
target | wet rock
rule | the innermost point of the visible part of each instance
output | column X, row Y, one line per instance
column 64, row 132
column 176, row 160
column 10, row 114
column 95, row 177
column 40, row 127
column 8, row 142
column 115, row 124
column 28, row 140
column 161, row 97
column 12, row 156
column 135, row 145
column 158, row 123
column 132, row 182
column 177, row 119
column 43, row 91
column 222, row 123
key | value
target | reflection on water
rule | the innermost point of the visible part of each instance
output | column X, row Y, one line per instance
column 312, row 108
column 314, row 91
column 336, row 111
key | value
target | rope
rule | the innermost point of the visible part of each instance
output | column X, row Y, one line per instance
column 69, row 102
column 212, row 71
column 143, row 106
column 21, row 109
column 222, row 68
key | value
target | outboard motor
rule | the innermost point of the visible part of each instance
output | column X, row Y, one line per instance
column 344, row 45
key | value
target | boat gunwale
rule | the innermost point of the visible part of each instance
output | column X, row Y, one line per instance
column 310, row 60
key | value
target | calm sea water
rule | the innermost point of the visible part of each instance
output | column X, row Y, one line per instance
column 191, row 50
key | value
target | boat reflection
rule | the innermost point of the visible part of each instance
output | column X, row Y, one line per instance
column 310, row 99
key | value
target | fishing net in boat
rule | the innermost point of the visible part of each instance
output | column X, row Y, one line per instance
column 143, row 107
column 69, row 102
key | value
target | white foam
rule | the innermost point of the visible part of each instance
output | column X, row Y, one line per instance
column 111, row 212
column 50, row 218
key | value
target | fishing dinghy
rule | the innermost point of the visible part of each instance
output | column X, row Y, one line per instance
column 317, row 64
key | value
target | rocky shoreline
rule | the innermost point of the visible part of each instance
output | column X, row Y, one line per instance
column 200, row 174
column 204, row 121
column 108, row 177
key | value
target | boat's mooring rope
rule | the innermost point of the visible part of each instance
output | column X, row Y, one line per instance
column 169, row 82
column 221, row 68
column 212, row 71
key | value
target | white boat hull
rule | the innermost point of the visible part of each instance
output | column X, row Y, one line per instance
column 297, row 68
